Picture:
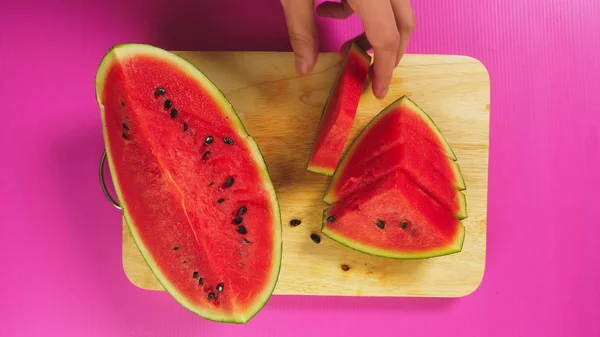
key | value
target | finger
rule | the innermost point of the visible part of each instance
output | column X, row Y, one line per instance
column 381, row 31
column 300, row 20
column 335, row 10
column 405, row 21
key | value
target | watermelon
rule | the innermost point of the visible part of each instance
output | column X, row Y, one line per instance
column 339, row 112
column 194, row 189
column 397, row 190
column 402, row 137
column 393, row 217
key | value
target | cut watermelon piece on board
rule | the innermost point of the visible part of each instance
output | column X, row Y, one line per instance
column 439, row 181
column 194, row 189
column 377, row 145
column 391, row 142
column 384, row 131
column 339, row 112
column 393, row 217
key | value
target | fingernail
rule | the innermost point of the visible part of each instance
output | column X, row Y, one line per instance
column 302, row 67
column 383, row 92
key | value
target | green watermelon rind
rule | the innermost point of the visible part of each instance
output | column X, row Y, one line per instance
column 238, row 127
column 354, row 49
column 454, row 247
column 461, row 214
column 459, row 184
column 329, row 195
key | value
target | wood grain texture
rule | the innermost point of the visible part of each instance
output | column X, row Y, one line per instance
column 281, row 111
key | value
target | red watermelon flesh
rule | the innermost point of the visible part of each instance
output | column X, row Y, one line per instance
column 419, row 163
column 393, row 217
column 339, row 112
column 194, row 189
column 384, row 132
column 377, row 141
column 411, row 115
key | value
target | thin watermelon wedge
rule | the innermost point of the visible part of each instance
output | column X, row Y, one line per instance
column 394, row 218
column 339, row 112
column 194, row 189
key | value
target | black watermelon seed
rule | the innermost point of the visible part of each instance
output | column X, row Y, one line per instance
column 174, row 113
column 124, row 136
column 220, row 287
column 211, row 183
column 331, row 218
column 242, row 210
column 237, row 221
column 195, row 274
column 201, row 281
column 315, row 238
column 229, row 182
column 345, row 267
column 220, row 200
column 295, row 222
column 211, row 295
column 241, row 230
column 245, row 241
column 380, row 224
column 175, row 248
column 185, row 127
column 208, row 140
column 168, row 104
column 122, row 103
column 185, row 261
column 159, row 92
column 228, row 140
column 206, row 155
column 125, row 126
column 403, row 224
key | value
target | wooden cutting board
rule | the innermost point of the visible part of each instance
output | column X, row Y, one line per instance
column 282, row 110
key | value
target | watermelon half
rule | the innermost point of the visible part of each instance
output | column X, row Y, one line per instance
column 193, row 186
column 339, row 112
column 393, row 217
column 402, row 137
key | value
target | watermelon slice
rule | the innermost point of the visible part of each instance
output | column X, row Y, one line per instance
column 393, row 217
column 384, row 132
column 397, row 139
column 435, row 179
column 193, row 186
column 339, row 112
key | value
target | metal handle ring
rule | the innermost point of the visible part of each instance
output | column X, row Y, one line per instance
column 103, row 183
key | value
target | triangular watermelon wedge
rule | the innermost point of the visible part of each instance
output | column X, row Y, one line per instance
column 393, row 217
column 403, row 137
column 383, row 132
column 441, row 182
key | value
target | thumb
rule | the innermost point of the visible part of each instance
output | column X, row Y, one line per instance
column 300, row 20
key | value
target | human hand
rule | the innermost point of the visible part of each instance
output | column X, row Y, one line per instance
column 388, row 25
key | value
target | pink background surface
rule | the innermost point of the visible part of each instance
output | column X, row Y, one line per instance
column 60, row 241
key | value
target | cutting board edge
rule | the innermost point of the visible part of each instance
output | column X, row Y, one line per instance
column 471, row 288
